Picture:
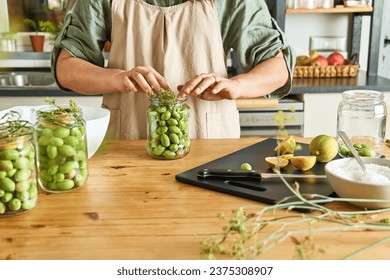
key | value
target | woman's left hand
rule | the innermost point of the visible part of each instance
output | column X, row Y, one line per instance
column 210, row 87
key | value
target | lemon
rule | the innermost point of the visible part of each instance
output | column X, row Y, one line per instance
column 276, row 162
column 324, row 147
column 287, row 146
column 303, row 163
column 287, row 156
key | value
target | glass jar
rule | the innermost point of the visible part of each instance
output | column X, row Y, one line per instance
column 18, row 181
column 362, row 116
column 167, row 128
column 62, row 153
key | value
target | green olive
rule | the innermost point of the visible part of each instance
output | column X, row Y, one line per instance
column 246, row 166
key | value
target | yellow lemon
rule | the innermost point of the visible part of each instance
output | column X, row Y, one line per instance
column 324, row 147
column 276, row 162
column 287, row 156
column 303, row 163
column 287, row 146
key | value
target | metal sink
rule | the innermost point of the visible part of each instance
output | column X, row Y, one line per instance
column 26, row 79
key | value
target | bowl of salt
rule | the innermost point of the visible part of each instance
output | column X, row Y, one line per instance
column 370, row 189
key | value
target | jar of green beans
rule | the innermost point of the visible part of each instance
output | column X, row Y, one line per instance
column 62, row 151
column 167, row 126
column 18, row 181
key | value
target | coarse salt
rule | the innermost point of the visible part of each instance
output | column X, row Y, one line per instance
column 374, row 174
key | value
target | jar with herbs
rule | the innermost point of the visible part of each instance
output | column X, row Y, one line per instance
column 62, row 153
column 18, row 181
column 167, row 126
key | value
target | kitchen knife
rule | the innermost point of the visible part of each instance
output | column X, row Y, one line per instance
column 229, row 174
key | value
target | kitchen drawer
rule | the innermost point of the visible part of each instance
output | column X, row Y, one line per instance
column 255, row 119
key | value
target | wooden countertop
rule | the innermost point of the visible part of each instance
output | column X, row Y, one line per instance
column 132, row 208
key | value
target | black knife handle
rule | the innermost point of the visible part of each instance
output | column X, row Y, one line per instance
column 227, row 174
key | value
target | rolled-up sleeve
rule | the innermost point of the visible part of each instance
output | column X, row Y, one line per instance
column 248, row 28
column 86, row 29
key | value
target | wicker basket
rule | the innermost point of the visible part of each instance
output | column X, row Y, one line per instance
column 330, row 71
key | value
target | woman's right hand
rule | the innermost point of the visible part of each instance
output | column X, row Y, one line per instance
column 139, row 79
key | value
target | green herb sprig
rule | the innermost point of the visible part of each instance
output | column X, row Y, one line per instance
column 57, row 115
column 11, row 126
column 164, row 96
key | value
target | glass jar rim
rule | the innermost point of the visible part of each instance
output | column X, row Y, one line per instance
column 363, row 94
column 50, row 108
column 18, row 140
column 177, row 100
column 28, row 130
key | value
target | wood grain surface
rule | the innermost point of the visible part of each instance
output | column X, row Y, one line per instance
column 133, row 208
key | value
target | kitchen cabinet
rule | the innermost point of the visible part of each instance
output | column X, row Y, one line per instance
column 278, row 11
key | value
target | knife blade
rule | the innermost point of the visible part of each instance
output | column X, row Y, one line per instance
column 227, row 174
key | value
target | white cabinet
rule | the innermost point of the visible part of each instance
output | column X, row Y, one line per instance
column 320, row 113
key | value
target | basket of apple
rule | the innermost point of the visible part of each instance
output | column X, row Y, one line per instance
column 315, row 65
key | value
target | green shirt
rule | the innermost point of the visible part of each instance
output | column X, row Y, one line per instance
column 246, row 26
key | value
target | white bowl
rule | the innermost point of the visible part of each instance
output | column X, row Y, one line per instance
column 338, row 173
column 96, row 119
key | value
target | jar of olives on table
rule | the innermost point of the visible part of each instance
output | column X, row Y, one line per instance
column 167, row 126
column 18, row 181
column 62, row 153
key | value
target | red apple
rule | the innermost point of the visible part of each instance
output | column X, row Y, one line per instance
column 336, row 58
column 320, row 61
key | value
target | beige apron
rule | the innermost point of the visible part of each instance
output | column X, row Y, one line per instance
column 179, row 42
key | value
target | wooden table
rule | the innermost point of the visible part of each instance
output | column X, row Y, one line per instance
column 132, row 208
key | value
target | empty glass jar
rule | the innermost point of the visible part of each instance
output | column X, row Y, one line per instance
column 362, row 116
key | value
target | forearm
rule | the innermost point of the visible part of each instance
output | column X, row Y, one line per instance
column 264, row 79
column 83, row 77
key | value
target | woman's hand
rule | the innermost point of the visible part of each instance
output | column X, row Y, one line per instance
column 139, row 79
column 210, row 87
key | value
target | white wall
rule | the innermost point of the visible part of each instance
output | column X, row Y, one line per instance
column 321, row 113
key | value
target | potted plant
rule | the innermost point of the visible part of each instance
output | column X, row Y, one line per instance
column 38, row 40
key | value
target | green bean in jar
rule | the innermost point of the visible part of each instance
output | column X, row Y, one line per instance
column 167, row 126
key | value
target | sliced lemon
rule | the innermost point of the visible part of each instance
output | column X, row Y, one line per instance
column 287, row 156
column 303, row 163
column 287, row 146
column 277, row 162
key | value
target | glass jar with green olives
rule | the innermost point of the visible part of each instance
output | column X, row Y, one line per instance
column 167, row 126
column 62, row 153
column 18, row 181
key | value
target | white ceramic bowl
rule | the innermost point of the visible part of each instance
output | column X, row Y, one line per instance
column 96, row 119
column 337, row 173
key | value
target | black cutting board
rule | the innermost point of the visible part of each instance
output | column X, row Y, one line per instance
column 268, row 191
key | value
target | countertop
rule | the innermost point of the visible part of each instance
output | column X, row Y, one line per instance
column 337, row 85
column 132, row 208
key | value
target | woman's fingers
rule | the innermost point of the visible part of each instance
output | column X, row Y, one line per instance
column 146, row 79
column 199, row 84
